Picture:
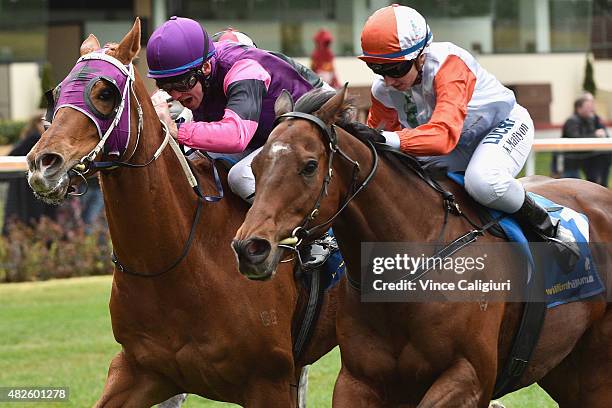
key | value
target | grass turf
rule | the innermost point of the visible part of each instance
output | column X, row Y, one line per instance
column 58, row 333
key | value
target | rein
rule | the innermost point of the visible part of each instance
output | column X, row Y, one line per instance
column 88, row 163
column 301, row 232
column 450, row 207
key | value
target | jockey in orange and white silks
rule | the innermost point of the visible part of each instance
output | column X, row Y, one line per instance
column 436, row 101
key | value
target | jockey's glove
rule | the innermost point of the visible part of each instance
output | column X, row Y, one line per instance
column 366, row 133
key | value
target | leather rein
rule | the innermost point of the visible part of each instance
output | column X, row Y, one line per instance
column 87, row 165
column 302, row 232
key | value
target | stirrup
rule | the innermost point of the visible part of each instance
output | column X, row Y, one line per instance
column 567, row 248
column 315, row 254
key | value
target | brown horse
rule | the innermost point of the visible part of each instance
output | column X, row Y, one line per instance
column 417, row 354
column 199, row 327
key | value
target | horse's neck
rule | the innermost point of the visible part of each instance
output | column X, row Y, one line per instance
column 150, row 210
column 396, row 206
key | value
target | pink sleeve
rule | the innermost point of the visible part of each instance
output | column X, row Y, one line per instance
column 229, row 135
column 233, row 133
column 246, row 69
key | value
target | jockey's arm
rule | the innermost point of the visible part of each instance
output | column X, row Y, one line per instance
column 454, row 84
column 245, row 85
column 382, row 117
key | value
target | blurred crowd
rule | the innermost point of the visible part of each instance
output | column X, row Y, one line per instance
column 584, row 123
column 21, row 206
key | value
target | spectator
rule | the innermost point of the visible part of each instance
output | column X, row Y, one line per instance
column 21, row 204
column 585, row 123
column 601, row 160
column 322, row 58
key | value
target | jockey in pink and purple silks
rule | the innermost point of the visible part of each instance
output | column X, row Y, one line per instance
column 230, row 89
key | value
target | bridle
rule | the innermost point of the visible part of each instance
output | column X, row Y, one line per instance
column 87, row 164
column 302, row 232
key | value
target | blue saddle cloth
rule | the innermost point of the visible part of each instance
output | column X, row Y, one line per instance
column 561, row 287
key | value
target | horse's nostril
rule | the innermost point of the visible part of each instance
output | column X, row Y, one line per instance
column 50, row 161
column 257, row 246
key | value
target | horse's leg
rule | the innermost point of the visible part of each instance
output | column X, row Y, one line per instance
column 174, row 402
column 351, row 392
column 303, row 387
column 584, row 377
column 459, row 387
column 130, row 387
column 271, row 394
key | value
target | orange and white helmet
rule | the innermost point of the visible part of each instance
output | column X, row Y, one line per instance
column 394, row 34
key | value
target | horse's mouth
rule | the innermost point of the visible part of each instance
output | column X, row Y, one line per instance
column 262, row 271
column 51, row 191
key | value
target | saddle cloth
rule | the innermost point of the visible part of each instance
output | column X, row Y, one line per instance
column 560, row 286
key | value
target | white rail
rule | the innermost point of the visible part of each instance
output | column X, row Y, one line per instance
column 9, row 164
column 565, row 145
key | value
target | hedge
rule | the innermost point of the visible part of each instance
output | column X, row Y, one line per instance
column 53, row 250
column 10, row 131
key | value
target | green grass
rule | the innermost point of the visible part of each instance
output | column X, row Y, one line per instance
column 58, row 333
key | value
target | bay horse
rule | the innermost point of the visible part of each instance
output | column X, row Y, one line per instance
column 415, row 354
column 186, row 320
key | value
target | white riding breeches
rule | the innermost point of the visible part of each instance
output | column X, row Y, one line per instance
column 499, row 157
column 241, row 179
column 490, row 170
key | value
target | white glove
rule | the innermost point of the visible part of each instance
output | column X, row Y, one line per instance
column 391, row 139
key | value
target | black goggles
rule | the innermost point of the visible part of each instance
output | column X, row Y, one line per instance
column 393, row 70
column 180, row 84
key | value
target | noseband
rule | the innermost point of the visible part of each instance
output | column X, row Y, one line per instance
column 76, row 95
column 302, row 232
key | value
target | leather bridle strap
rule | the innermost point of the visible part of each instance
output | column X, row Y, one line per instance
column 302, row 232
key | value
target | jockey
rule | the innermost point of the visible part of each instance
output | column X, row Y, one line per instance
column 230, row 88
column 434, row 100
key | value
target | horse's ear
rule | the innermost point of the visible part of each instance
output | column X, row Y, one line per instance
column 90, row 44
column 283, row 104
column 130, row 45
column 328, row 113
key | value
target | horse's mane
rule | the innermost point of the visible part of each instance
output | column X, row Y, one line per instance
column 312, row 101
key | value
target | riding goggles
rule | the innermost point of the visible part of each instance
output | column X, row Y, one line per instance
column 392, row 70
column 182, row 83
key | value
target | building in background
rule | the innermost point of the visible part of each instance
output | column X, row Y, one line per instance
column 536, row 46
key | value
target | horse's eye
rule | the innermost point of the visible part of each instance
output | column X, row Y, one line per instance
column 310, row 168
column 106, row 95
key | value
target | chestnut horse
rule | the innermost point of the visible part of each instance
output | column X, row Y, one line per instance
column 415, row 354
column 196, row 327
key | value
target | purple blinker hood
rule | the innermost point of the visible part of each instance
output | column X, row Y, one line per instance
column 75, row 89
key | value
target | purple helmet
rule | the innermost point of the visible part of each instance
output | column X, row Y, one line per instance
column 178, row 45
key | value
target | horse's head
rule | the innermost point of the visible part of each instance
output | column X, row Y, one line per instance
column 90, row 112
column 293, row 180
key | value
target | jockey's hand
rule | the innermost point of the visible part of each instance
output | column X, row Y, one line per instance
column 161, row 102
column 365, row 133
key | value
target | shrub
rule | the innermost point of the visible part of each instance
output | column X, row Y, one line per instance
column 10, row 131
column 53, row 250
